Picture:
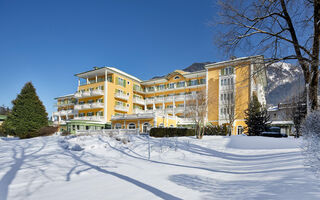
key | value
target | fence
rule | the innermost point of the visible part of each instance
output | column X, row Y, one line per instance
column 108, row 132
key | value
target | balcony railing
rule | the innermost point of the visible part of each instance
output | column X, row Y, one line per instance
column 97, row 105
column 89, row 93
column 138, row 101
column 159, row 99
column 121, row 108
column 88, row 106
column 179, row 98
column 90, row 118
column 179, row 110
column 64, row 112
column 97, row 92
column 136, row 111
column 169, row 99
column 121, row 96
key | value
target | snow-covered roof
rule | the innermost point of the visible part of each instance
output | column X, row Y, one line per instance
column 281, row 122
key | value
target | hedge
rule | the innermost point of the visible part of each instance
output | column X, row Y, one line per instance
column 171, row 132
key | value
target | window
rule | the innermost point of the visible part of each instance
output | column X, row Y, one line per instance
column 203, row 81
column 150, row 89
column 180, row 84
column 109, row 78
column 90, row 114
column 194, row 82
column 171, row 126
column 171, row 85
column 121, row 81
column 117, row 126
column 161, row 125
column 81, row 114
column 132, row 126
column 240, row 130
column 161, row 87
column 145, row 127
column 177, row 77
column 227, row 71
column 128, row 82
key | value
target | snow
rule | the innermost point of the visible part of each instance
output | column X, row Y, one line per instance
column 104, row 167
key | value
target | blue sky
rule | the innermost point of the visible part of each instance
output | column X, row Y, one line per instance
column 47, row 42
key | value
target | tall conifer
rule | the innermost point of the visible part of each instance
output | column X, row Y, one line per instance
column 256, row 117
column 28, row 114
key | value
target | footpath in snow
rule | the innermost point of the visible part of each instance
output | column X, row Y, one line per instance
column 103, row 167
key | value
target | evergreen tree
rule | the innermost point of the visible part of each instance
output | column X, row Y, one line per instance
column 28, row 114
column 256, row 117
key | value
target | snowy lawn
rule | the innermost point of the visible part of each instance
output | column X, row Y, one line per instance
column 101, row 167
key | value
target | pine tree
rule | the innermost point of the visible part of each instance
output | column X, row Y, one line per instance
column 256, row 117
column 28, row 114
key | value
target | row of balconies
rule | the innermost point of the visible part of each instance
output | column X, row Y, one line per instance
column 93, row 118
column 64, row 112
column 162, row 99
column 88, row 106
column 89, row 93
column 167, row 110
column 155, row 89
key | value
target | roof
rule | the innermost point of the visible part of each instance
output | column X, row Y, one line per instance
column 65, row 96
column 103, row 69
column 218, row 64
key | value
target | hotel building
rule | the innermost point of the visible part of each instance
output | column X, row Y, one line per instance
column 107, row 97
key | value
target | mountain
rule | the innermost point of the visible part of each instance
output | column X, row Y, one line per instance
column 283, row 81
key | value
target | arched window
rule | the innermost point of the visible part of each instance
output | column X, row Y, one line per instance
column 161, row 125
column 146, row 127
column 239, row 130
column 177, row 77
column 117, row 126
column 132, row 126
column 171, row 126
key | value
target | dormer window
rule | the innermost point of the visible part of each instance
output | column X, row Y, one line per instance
column 177, row 77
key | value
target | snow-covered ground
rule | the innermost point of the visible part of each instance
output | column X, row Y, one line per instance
column 101, row 167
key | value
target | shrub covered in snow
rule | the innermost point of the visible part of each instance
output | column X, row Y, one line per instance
column 310, row 130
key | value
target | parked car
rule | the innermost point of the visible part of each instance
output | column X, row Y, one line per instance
column 274, row 132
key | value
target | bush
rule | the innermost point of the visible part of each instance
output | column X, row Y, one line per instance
column 216, row 130
column 171, row 132
column 47, row 130
column 65, row 133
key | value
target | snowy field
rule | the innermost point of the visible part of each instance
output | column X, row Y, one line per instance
column 101, row 167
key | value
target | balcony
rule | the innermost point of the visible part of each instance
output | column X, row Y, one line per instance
column 86, row 94
column 137, row 111
column 97, row 93
column 169, row 99
column 149, row 101
column 78, row 95
column 90, row 118
column 169, row 110
column 86, row 106
column 138, row 101
column 97, row 105
column 121, row 96
column 159, row 99
column 179, row 110
column 121, row 108
column 179, row 98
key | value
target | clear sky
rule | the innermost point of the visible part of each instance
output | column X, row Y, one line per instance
column 48, row 41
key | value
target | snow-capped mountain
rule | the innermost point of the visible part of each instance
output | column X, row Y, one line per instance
column 284, row 80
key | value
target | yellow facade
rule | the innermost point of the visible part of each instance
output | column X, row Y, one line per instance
column 109, row 95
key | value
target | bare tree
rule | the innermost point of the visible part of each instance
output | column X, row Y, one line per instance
column 196, row 109
column 281, row 29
